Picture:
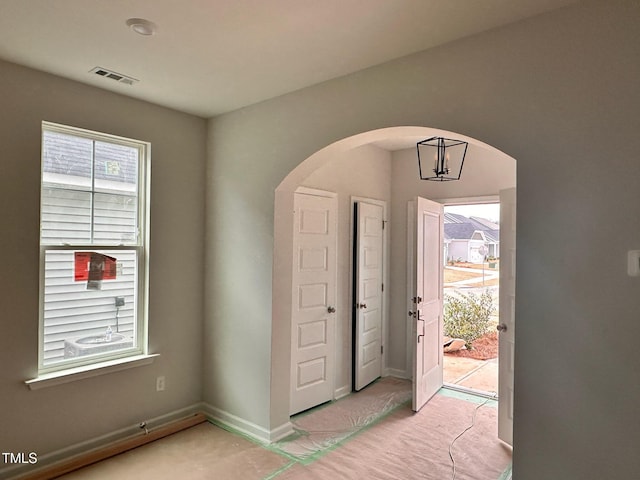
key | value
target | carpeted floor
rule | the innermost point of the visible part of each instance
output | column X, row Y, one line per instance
column 372, row 434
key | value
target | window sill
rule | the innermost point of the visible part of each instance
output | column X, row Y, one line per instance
column 88, row 371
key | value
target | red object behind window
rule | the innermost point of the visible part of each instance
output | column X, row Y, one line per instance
column 102, row 267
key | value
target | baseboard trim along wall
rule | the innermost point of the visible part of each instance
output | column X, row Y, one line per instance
column 342, row 392
column 85, row 453
column 394, row 372
column 240, row 425
column 76, row 456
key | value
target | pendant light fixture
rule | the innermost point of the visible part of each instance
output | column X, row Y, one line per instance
column 441, row 159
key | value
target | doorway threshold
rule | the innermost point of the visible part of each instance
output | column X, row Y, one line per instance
column 471, row 391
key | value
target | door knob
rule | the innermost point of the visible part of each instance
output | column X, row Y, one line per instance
column 362, row 305
column 331, row 309
column 502, row 327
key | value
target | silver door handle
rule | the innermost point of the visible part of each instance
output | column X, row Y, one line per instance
column 331, row 309
column 502, row 327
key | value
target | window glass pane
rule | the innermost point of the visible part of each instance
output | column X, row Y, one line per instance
column 115, row 219
column 66, row 160
column 72, row 168
column 65, row 217
column 116, row 168
column 84, row 316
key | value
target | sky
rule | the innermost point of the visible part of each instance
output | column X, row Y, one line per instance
column 490, row 211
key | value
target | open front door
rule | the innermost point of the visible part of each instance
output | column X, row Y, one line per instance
column 427, row 300
column 507, row 314
column 368, row 233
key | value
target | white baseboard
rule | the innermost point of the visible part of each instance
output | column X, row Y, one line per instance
column 281, row 432
column 46, row 460
column 342, row 392
column 256, row 432
column 260, row 434
column 394, row 372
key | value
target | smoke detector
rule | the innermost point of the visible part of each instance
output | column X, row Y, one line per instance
column 142, row 26
column 118, row 77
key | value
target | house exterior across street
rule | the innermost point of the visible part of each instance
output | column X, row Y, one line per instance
column 464, row 237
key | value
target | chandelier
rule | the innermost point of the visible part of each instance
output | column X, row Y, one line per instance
column 440, row 159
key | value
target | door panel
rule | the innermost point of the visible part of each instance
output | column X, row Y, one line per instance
column 427, row 300
column 368, row 293
column 314, row 296
column 507, row 343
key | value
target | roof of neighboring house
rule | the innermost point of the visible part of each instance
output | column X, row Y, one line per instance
column 458, row 231
column 455, row 218
column 487, row 223
column 459, row 227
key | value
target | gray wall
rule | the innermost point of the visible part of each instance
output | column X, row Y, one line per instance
column 49, row 419
column 558, row 93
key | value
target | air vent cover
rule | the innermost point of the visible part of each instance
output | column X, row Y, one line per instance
column 118, row 77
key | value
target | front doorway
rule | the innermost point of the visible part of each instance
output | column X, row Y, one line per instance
column 462, row 312
column 471, row 296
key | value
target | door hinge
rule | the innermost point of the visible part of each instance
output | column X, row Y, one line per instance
column 381, row 349
column 384, row 224
column 383, row 287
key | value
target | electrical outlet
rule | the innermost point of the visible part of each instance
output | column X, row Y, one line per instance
column 160, row 383
column 119, row 301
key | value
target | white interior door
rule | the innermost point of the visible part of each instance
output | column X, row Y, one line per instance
column 507, row 314
column 368, row 293
column 314, row 300
column 427, row 300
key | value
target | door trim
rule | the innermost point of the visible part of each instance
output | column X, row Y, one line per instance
column 385, row 276
column 448, row 202
column 410, row 287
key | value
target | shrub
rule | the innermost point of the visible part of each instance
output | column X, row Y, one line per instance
column 466, row 316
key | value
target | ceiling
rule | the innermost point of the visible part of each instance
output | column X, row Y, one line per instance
column 213, row 56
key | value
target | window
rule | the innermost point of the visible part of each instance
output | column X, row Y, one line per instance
column 93, row 248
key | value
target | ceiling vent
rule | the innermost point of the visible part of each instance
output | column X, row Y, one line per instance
column 118, row 77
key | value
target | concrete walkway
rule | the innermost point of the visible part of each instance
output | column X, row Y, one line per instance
column 471, row 373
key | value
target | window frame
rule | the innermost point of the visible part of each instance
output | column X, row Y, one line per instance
column 141, row 247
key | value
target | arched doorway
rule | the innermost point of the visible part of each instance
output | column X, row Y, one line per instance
column 341, row 168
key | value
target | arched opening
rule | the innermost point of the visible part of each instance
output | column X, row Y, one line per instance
column 380, row 165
